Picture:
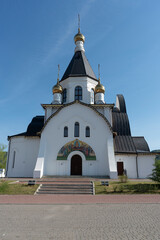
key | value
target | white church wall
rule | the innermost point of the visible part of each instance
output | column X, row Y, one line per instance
column 24, row 152
column 100, row 138
column 129, row 163
column 107, row 112
column 145, row 165
column 86, row 83
column 49, row 111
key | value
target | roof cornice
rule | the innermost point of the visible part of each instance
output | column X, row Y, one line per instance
column 67, row 104
column 60, row 107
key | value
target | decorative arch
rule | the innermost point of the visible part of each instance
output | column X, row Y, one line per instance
column 76, row 145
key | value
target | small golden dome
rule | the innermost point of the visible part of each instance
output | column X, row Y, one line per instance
column 79, row 37
column 99, row 88
column 57, row 88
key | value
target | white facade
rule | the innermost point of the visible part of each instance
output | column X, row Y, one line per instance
column 22, row 156
column 55, row 147
column 137, row 165
column 87, row 85
column 53, row 135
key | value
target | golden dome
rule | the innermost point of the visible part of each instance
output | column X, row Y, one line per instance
column 57, row 88
column 99, row 88
column 79, row 37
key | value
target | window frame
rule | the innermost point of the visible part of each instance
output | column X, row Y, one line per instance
column 78, row 93
column 88, row 133
column 65, row 133
column 76, row 129
column 92, row 96
column 14, row 159
column 65, row 95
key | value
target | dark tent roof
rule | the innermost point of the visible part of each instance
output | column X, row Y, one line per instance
column 124, row 144
column 33, row 128
column 120, row 123
column 140, row 144
column 78, row 67
column 123, row 141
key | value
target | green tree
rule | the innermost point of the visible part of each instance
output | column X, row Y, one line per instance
column 3, row 156
column 155, row 176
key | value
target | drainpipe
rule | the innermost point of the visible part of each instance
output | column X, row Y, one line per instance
column 137, row 164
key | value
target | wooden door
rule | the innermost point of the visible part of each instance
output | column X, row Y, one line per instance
column 76, row 165
column 120, row 168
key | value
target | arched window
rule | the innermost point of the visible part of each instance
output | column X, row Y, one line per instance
column 14, row 158
column 76, row 129
column 64, row 95
column 65, row 131
column 87, row 131
column 92, row 96
column 78, row 93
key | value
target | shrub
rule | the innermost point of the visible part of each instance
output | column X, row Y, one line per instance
column 155, row 176
column 114, row 188
column 120, row 188
column 123, row 178
column 3, row 186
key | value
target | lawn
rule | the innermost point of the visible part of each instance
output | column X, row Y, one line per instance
column 130, row 187
column 10, row 188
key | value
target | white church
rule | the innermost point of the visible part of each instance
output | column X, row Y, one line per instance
column 79, row 134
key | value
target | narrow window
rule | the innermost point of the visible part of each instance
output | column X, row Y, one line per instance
column 76, row 129
column 87, row 131
column 14, row 157
column 64, row 95
column 65, row 131
column 92, row 96
column 78, row 93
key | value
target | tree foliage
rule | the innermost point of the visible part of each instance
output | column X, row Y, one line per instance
column 155, row 176
column 3, row 156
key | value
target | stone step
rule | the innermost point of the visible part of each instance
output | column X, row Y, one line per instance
column 71, row 185
column 65, row 189
column 63, row 192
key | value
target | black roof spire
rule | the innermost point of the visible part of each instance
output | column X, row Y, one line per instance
column 79, row 67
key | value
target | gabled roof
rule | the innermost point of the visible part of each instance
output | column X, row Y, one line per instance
column 140, row 144
column 79, row 67
column 123, row 141
column 124, row 144
column 33, row 128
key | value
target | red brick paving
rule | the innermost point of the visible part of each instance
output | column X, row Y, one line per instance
column 76, row 199
column 79, row 199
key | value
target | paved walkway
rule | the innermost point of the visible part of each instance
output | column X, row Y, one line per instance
column 79, row 199
column 80, row 222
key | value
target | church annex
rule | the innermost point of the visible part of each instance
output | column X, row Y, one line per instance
column 79, row 134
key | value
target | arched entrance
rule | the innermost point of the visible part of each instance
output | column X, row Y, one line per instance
column 76, row 165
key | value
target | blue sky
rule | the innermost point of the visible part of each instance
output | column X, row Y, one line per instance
column 122, row 35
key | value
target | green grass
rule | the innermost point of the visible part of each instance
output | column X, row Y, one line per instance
column 128, row 188
column 8, row 188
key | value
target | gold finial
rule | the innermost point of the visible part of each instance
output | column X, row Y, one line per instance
column 99, row 72
column 57, row 88
column 78, row 23
column 58, row 73
column 99, row 87
column 79, row 36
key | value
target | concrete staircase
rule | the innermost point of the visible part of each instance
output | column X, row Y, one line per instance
column 66, row 188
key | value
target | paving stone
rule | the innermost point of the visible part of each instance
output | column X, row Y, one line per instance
column 80, row 222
